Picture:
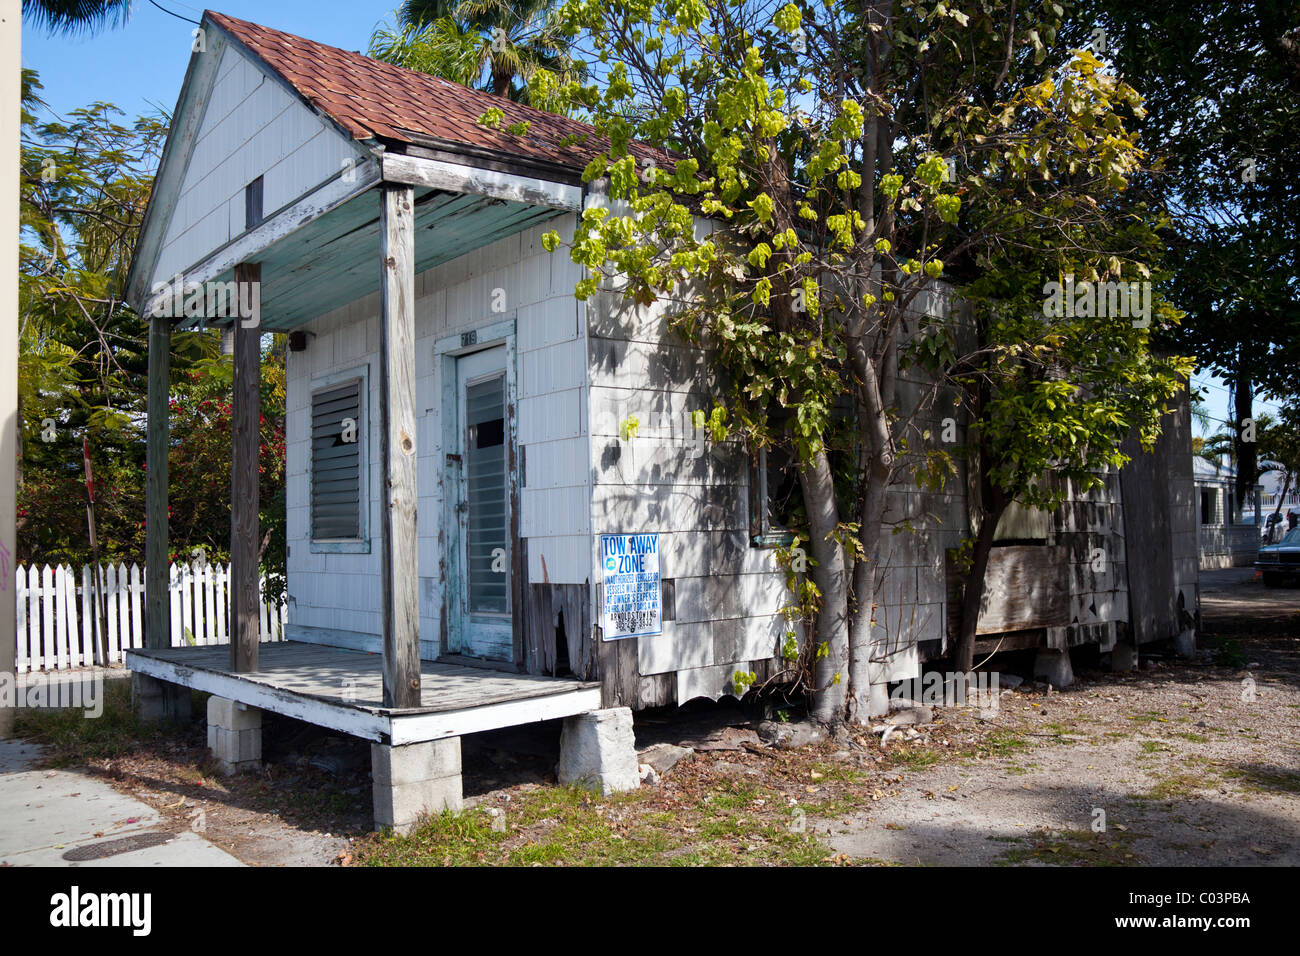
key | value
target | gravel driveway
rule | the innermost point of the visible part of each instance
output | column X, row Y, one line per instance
column 1179, row 763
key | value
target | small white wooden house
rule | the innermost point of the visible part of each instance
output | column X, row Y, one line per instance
column 455, row 451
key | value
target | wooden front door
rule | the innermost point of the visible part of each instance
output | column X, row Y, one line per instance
column 483, row 507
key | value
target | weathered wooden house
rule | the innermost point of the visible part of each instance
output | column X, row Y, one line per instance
column 462, row 488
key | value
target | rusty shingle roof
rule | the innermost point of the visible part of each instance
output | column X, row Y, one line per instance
column 368, row 99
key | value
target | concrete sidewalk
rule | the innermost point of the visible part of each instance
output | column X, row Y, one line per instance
column 64, row 818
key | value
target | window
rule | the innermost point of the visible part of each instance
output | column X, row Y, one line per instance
column 1207, row 506
column 336, row 460
column 253, row 203
column 773, row 496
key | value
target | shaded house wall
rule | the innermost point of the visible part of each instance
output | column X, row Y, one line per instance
column 334, row 596
column 581, row 371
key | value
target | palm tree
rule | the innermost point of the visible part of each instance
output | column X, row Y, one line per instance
column 493, row 45
column 70, row 17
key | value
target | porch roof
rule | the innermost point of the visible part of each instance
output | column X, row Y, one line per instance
column 332, row 259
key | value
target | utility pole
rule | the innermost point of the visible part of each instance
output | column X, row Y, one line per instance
column 11, row 25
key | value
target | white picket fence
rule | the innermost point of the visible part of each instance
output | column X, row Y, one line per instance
column 56, row 618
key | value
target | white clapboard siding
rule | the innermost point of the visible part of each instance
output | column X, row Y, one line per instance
column 58, row 626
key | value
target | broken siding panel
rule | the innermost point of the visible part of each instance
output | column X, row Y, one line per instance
column 711, row 682
column 724, row 596
column 559, row 559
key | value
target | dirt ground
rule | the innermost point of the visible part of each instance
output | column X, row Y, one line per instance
column 1184, row 762
column 1191, row 763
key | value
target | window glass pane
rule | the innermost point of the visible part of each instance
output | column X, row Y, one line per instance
column 485, row 480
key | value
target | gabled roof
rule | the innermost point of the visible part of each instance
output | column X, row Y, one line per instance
column 372, row 100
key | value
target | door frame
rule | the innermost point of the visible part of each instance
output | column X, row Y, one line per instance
column 447, row 352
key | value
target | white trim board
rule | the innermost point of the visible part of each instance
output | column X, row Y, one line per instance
column 453, row 177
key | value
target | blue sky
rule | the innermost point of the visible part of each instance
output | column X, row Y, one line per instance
column 141, row 65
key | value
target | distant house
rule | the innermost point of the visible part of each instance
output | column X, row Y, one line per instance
column 463, row 484
column 1226, row 536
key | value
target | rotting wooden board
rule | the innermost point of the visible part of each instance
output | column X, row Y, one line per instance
column 1025, row 587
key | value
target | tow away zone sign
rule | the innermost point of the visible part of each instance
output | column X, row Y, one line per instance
column 631, row 593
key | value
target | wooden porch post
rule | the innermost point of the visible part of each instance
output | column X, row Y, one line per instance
column 397, row 400
column 245, row 441
column 156, row 563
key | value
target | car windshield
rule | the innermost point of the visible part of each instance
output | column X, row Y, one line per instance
column 1293, row 537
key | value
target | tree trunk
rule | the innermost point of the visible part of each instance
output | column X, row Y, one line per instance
column 870, row 515
column 828, row 574
column 963, row 655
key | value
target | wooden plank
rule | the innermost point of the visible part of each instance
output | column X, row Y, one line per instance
column 156, row 561
column 453, row 177
column 187, row 605
column 54, row 655
column 416, row 728
column 123, row 606
column 175, row 597
column 137, row 598
column 220, row 604
column 88, row 616
column 111, row 600
column 245, row 442
column 68, row 643
column 1026, row 586
column 23, row 654
column 39, row 657
column 400, row 553
column 618, row 672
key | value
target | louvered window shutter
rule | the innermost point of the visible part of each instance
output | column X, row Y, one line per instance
column 336, row 443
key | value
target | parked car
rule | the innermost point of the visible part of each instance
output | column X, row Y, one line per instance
column 1276, row 526
column 1280, row 561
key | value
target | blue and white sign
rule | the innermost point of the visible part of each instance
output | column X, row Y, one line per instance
column 631, row 594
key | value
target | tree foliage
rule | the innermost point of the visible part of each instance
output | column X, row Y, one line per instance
column 845, row 157
column 492, row 45
column 83, row 358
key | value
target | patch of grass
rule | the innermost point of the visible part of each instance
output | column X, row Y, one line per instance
column 1073, row 848
column 1261, row 780
column 1173, row 787
column 1194, row 738
column 1153, row 746
column 1226, row 652
column 71, row 737
column 916, row 758
column 1001, row 743
column 569, row 826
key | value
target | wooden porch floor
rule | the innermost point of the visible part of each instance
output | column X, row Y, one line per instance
column 343, row 690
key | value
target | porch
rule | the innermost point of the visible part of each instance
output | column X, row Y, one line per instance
column 343, row 690
column 415, row 750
